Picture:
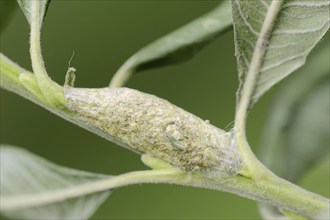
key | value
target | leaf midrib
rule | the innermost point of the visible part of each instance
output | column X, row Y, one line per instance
column 249, row 85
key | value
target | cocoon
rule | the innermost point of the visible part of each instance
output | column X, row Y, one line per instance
column 150, row 125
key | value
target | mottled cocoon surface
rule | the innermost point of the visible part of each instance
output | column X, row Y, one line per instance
column 147, row 124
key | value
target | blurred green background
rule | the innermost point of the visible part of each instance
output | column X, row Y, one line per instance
column 103, row 34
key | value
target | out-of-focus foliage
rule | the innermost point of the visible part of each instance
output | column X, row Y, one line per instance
column 23, row 173
column 296, row 135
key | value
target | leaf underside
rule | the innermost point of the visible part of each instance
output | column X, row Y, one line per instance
column 298, row 27
column 23, row 173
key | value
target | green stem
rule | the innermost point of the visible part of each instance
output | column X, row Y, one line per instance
column 288, row 196
column 9, row 77
column 123, row 74
column 137, row 177
column 50, row 89
column 272, row 190
column 249, row 87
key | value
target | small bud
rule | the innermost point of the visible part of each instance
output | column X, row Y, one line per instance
column 155, row 163
column 29, row 81
column 70, row 77
column 150, row 125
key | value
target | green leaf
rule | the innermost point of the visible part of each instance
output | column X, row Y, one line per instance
column 26, row 6
column 273, row 39
column 7, row 10
column 24, row 175
column 296, row 136
column 179, row 45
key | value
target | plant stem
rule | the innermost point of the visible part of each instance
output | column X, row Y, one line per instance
column 51, row 90
column 9, row 73
column 249, row 87
column 137, row 177
column 272, row 190
column 288, row 196
column 123, row 74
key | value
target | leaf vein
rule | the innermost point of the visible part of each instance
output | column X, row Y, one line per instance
column 300, row 31
column 269, row 67
column 306, row 4
column 264, row 3
column 246, row 22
